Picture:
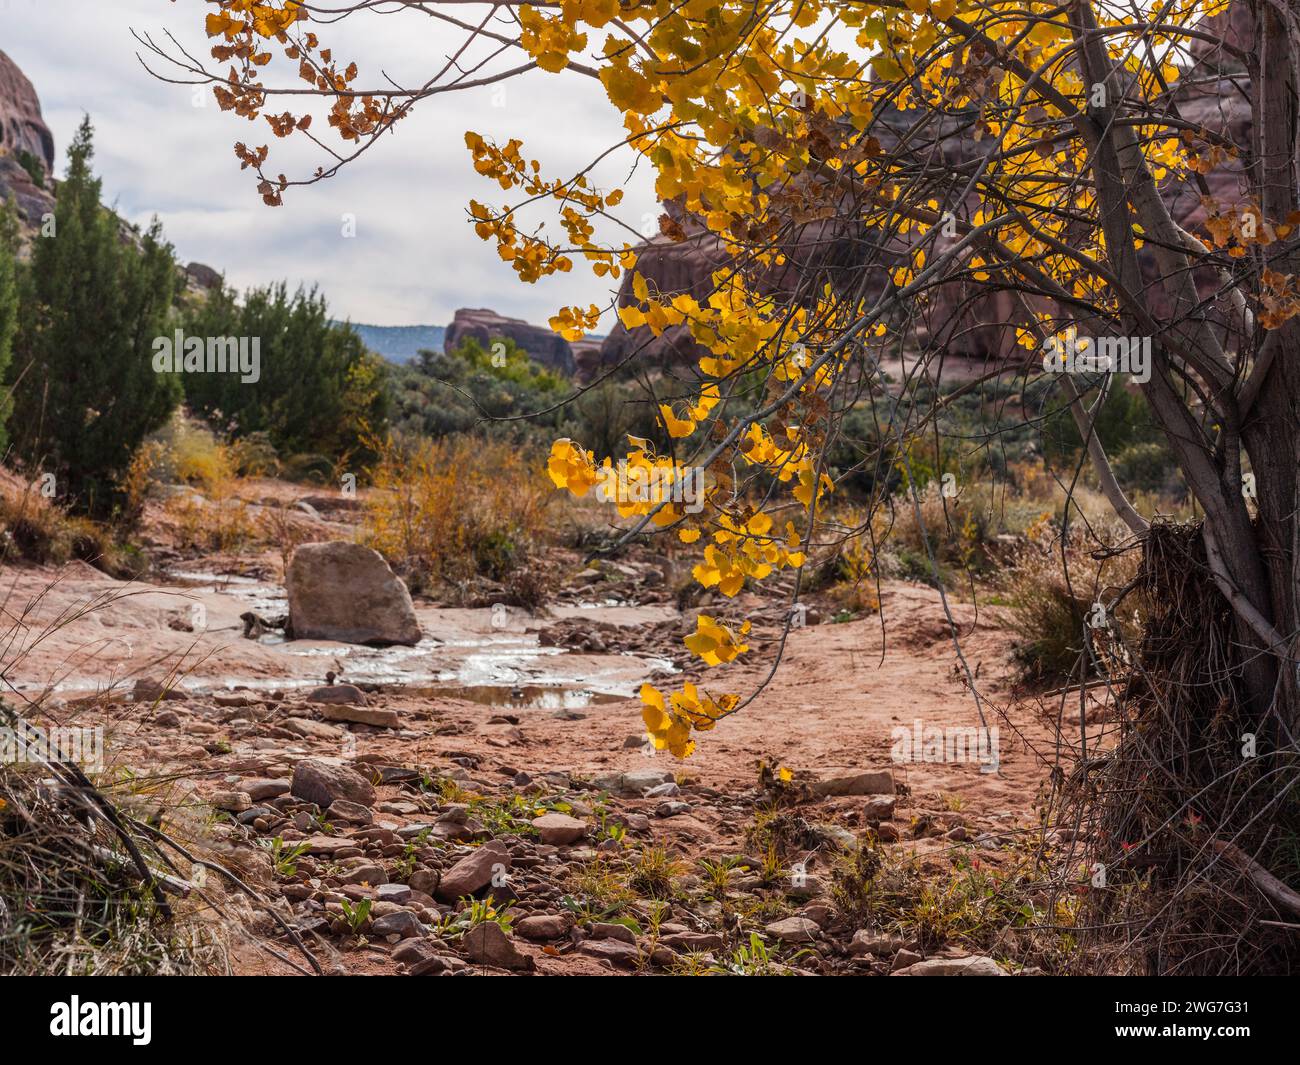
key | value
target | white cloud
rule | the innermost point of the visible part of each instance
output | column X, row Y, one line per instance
column 414, row 259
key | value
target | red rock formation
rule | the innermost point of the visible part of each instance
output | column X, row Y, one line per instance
column 21, row 125
column 543, row 346
column 22, row 129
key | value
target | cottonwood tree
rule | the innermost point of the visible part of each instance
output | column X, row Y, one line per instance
column 901, row 175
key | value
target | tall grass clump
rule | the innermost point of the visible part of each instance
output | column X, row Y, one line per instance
column 456, row 509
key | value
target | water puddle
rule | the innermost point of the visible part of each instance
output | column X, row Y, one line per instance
column 533, row 697
column 465, row 654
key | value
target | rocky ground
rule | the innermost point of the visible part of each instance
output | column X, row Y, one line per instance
column 486, row 801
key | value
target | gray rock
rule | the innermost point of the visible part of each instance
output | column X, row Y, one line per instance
column 337, row 693
column 608, row 930
column 345, row 591
column 487, row 944
column 352, row 812
column 624, row 955
column 975, row 965
column 312, row 730
column 231, row 801
column 874, row 782
column 876, row 944
column 403, row 924
column 692, row 942
column 878, row 808
column 261, row 789
column 634, row 784
column 474, row 871
column 322, row 782
column 793, row 930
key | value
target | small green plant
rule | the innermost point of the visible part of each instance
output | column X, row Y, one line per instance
column 284, row 858
column 752, row 959
column 718, row 874
column 652, row 873
column 475, row 913
column 356, row 916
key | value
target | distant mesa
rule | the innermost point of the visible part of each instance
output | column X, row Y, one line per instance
column 540, row 342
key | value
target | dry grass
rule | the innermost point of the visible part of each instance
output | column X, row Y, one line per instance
column 453, row 510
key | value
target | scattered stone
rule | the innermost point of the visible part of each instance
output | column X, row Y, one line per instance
column 874, row 782
column 439, row 963
column 876, row 944
column 487, row 944
column 803, row 886
column 625, row 955
column 413, row 951
column 351, row 812
column 321, row 782
column 793, row 930
column 544, row 926
column 167, row 719
column 231, row 801
column 346, row 591
column 261, row 789
column 424, row 881
column 474, row 871
column 367, row 873
column 634, row 784
column 672, row 809
column 903, row 959
column 361, row 715
column 335, row 694
column 312, row 730
column 664, row 791
column 398, row 893
column 234, row 699
column 878, row 808
column 148, row 690
column 692, row 942
column 559, row 830
column 404, row 924
column 609, row 930
column 975, row 965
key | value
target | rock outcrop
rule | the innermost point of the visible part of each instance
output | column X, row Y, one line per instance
column 345, row 591
column 24, row 138
column 543, row 346
column 21, row 126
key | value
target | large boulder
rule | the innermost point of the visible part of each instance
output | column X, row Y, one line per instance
column 345, row 591
column 325, row 781
column 542, row 344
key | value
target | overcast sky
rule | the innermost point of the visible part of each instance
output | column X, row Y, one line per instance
column 414, row 259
